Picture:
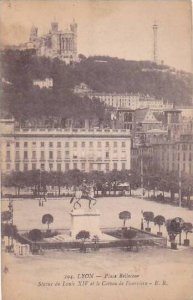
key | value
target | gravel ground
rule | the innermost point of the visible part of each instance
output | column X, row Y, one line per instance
column 162, row 273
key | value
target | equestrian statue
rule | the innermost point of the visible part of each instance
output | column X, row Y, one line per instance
column 86, row 192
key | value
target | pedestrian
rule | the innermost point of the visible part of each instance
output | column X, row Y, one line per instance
column 142, row 224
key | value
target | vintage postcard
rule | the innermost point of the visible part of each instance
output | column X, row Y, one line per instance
column 96, row 149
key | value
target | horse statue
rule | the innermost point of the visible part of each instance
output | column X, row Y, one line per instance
column 83, row 193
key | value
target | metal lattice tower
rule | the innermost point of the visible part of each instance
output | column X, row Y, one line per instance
column 155, row 55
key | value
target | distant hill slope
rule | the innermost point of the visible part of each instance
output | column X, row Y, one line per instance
column 103, row 74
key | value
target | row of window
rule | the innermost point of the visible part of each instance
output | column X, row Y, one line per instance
column 75, row 144
column 59, row 154
column 67, row 166
column 178, row 147
column 176, row 167
column 184, row 156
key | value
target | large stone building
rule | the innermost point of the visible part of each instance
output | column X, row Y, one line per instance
column 63, row 149
column 175, row 155
column 56, row 43
column 123, row 100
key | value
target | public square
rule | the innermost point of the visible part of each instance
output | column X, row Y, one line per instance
column 175, row 268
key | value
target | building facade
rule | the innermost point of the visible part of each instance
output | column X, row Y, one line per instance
column 65, row 149
column 123, row 100
column 175, row 156
column 56, row 43
column 47, row 83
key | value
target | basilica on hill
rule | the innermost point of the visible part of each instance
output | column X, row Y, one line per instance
column 61, row 44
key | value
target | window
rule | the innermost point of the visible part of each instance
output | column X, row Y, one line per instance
column 115, row 144
column 58, row 144
column 91, row 144
column 67, row 144
column 8, row 144
column 50, row 154
column 8, row 167
column 107, row 167
column 42, row 144
column 99, row 167
column 107, row 144
column 25, row 167
column 8, row 155
column 17, row 144
column 107, row 155
column 59, row 167
column 25, row 144
column 123, row 144
column 33, row 166
column 33, row 154
column 66, row 166
column 42, row 155
column 123, row 166
column 83, row 166
column 33, row 143
column 50, row 167
column 83, row 144
column 115, row 166
column 115, row 153
column 74, row 144
column 99, row 144
column 42, row 167
column 17, row 167
column 25, row 155
column 50, row 144
column 58, row 154
column 190, row 156
column 184, row 147
column 184, row 156
column 67, row 153
column 75, row 166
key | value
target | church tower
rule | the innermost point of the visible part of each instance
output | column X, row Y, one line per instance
column 73, row 28
column 33, row 34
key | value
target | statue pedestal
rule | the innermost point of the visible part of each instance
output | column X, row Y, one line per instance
column 85, row 220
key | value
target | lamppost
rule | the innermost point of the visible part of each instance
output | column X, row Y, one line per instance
column 10, row 207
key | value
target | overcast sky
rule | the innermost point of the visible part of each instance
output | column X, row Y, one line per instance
column 116, row 28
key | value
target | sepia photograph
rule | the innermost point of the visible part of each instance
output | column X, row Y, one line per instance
column 96, row 149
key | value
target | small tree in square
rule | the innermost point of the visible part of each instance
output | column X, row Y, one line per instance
column 148, row 217
column 159, row 220
column 124, row 215
column 83, row 235
column 47, row 219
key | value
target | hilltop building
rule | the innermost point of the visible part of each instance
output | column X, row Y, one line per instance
column 45, row 83
column 123, row 100
column 61, row 44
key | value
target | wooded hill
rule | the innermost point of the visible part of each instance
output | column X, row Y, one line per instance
column 22, row 100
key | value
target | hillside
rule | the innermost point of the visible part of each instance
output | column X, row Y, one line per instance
column 104, row 74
